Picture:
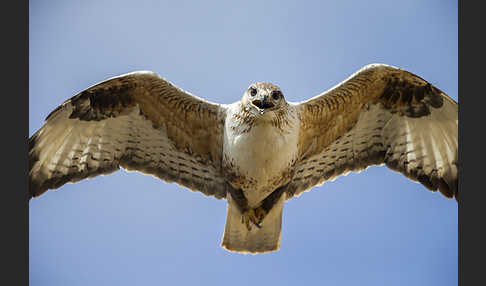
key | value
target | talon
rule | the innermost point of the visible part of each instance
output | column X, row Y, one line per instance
column 260, row 214
column 250, row 216
column 248, row 224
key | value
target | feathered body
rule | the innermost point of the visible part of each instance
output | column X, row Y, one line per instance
column 259, row 155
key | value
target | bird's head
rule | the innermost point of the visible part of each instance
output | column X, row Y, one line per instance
column 263, row 97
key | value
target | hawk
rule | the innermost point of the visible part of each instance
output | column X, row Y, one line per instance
column 257, row 152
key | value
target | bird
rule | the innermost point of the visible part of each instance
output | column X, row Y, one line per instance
column 257, row 152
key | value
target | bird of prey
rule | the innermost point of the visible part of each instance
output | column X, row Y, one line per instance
column 257, row 152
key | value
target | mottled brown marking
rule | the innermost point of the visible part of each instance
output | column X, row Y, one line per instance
column 409, row 94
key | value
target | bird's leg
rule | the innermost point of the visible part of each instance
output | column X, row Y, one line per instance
column 260, row 214
column 268, row 203
column 248, row 215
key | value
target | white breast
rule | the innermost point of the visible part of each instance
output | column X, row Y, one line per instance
column 260, row 155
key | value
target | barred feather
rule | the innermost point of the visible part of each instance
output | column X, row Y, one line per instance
column 379, row 115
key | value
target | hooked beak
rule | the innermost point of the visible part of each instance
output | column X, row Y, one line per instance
column 262, row 104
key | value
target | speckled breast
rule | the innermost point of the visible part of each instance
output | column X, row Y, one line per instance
column 259, row 159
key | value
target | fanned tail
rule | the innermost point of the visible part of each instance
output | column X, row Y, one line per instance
column 258, row 240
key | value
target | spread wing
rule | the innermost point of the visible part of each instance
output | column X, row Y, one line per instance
column 379, row 115
column 137, row 121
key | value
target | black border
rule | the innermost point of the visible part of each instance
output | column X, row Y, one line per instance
column 14, row 95
column 471, row 132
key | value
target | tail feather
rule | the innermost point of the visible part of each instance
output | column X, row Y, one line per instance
column 239, row 239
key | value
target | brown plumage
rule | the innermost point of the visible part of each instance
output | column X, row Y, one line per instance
column 150, row 126
column 380, row 114
column 257, row 152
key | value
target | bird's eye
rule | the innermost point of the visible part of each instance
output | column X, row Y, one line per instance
column 276, row 94
column 253, row 91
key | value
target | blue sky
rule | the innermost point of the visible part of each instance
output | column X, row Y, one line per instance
column 371, row 228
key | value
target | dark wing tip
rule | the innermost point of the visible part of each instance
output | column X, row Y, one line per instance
column 410, row 94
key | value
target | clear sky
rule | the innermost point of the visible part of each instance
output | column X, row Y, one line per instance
column 371, row 228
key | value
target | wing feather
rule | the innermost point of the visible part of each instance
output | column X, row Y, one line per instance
column 137, row 121
column 379, row 115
